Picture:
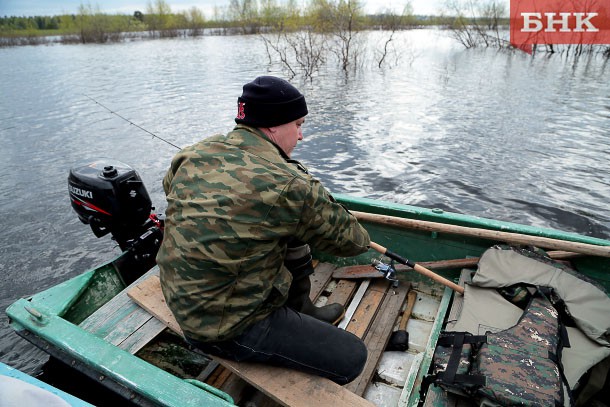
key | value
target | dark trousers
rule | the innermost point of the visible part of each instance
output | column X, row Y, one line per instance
column 296, row 341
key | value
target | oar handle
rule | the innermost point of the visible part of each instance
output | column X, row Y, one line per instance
column 420, row 269
column 411, row 297
column 496, row 235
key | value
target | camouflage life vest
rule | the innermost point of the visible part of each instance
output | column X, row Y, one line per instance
column 519, row 366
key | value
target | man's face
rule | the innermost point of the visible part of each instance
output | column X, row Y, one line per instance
column 287, row 135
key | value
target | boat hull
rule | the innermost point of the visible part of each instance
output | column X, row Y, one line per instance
column 51, row 319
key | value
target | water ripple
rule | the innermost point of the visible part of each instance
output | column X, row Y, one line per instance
column 492, row 134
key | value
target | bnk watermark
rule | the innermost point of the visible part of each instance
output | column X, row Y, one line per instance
column 559, row 22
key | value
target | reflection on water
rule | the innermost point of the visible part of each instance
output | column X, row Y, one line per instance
column 481, row 132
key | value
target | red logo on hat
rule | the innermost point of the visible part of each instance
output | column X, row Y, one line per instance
column 241, row 114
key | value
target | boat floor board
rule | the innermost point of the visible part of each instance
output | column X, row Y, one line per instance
column 123, row 323
column 322, row 275
column 381, row 327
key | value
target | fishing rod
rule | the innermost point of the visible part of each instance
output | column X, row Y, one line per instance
column 418, row 268
column 134, row 124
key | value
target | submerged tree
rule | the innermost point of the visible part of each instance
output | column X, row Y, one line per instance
column 476, row 22
column 342, row 21
column 392, row 22
column 293, row 41
column 330, row 30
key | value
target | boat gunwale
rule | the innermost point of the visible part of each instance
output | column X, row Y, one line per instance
column 453, row 218
column 112, row 362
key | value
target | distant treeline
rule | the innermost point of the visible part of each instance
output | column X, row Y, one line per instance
column 30, row 23
column 90, row 24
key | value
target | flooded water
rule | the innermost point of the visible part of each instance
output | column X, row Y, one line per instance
column 494, row 134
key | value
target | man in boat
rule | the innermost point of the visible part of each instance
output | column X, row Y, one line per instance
column 235, row 260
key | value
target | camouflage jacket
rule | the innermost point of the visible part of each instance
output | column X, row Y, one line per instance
column 233, row 203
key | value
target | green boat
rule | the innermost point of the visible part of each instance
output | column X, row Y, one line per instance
column 93, row 323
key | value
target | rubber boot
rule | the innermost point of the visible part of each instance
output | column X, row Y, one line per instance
column 299, row 262
column 298, row 299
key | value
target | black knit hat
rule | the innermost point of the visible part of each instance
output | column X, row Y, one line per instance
column 268, row 101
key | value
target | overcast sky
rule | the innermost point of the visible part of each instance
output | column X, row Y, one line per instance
column 56, row 7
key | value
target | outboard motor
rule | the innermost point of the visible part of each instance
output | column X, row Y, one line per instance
column 110, row 197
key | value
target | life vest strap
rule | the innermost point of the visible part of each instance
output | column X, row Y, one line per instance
column 447, row 339
column 457, row 340
column 468, row 380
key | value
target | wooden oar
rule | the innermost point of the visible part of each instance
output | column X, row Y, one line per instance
column 420, row 269
column 368, row 271
column 508, row 237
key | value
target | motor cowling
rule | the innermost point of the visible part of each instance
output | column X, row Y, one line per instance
column 110, row 197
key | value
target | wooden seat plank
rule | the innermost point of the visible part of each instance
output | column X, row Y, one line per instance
column 285, row 386
column 149, row 296
column 293, row 388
